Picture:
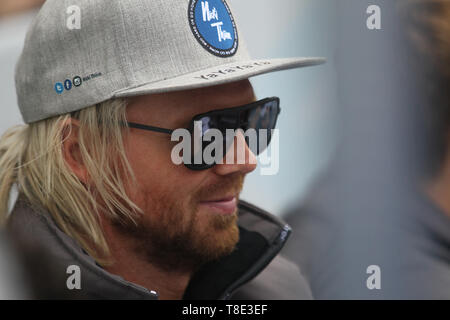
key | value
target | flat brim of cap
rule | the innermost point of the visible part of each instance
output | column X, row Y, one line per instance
column 219, row 75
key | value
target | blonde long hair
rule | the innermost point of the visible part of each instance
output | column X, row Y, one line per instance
column 31, row 158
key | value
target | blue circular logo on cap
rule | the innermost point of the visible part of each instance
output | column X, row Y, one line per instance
column 213, row 26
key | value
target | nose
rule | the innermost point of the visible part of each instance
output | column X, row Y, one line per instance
column 247, row 159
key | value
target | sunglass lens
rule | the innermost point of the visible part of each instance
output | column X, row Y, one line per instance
column 263, row 119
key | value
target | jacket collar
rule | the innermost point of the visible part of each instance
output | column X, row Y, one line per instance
column 262, row 236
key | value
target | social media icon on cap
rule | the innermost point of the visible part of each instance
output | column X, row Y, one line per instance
column 68, row 84
column 77, row 81
column 59, row 88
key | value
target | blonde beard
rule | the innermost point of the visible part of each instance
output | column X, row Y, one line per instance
column 173, row 238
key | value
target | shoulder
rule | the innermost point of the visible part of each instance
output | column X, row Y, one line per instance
column 280, row 280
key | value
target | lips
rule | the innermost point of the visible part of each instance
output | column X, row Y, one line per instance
column 224, row 205
column 227, row 198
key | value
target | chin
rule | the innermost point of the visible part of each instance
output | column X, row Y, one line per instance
column 222, row 243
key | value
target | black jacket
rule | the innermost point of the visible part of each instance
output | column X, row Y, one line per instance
column 254, row 270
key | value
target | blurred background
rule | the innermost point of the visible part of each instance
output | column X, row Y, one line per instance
column 15, row 16
column 364, row 176
column 308, row 120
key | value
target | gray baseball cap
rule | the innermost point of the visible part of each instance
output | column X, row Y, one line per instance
column 81, row 52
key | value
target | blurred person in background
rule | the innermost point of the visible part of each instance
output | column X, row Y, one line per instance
column 377, row 224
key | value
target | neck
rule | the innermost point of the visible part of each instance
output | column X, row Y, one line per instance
column 135, row 267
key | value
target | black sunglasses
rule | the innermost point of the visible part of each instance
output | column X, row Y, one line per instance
column 257, row 115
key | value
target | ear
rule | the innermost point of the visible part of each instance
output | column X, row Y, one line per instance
column 71, row 148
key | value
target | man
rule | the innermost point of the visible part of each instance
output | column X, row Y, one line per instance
column 101, row 197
